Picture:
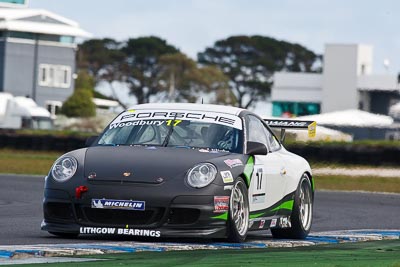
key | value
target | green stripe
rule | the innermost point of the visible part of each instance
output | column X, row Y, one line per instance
column 248, row 170
column 223, row 216
column 287, row 205
column 253, row 216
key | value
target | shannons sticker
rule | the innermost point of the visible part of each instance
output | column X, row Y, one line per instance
column 118, row 204
column 283, row 123
column 119, row 231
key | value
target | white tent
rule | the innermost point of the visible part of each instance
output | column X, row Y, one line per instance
column 350, row 118
column 322, row 134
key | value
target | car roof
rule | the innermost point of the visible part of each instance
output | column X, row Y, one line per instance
column 191, row 107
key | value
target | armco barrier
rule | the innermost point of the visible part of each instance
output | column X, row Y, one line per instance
column 335, row 153
column 349, row 153
column 40, row 142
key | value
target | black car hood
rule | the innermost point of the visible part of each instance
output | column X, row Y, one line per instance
column 142, row 164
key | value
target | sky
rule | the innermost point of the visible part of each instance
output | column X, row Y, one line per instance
column 193, row 25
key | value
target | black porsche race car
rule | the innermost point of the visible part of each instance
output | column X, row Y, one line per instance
column 181, row 170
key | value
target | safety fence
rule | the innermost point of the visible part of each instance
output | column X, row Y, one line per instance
column 349, row 153
column 14, row 140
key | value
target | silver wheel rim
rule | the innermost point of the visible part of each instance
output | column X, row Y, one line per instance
column 239, row 210
column 305, row 205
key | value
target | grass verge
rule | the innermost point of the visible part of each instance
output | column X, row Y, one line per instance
column 26, row 162
column 377, row 253
column 357, row 183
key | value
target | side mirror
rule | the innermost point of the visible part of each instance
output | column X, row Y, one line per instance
column 90, row 140
column 256, row 148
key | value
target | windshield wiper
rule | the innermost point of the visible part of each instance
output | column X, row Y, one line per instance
column 171, row 129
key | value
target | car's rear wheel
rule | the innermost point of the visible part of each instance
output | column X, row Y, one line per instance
column 64, row 235
column 238, row 223
column 301, row 217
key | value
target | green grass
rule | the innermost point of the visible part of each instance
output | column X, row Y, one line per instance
column 336, row 165
column 26, row 162
column 357, row 183
column 377, row 253
column 371, row 143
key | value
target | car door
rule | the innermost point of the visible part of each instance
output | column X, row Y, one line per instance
column 267, row 182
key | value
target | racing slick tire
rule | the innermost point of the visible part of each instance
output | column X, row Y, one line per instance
column 238, row 218
column 301, row 217
column 64, row 235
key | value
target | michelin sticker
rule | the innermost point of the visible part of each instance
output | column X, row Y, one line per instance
column 119, row 231
column 118, row 204
column 227, row 177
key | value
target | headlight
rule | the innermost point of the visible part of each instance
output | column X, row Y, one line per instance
column 64, row 168
column 201, row 175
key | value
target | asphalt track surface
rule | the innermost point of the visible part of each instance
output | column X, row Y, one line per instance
column 21, row 212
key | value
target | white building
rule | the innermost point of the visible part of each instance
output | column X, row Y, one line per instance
column 347, row 82
column 37, row 52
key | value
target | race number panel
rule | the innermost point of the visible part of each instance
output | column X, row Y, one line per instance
column 267, row 183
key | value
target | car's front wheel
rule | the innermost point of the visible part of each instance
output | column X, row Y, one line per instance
column 238, row 223
column 301, row 217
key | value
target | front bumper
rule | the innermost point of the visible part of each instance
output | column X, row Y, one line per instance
column 216, row 232
column 165, row 215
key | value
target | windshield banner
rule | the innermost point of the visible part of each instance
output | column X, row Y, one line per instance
column 134, row 117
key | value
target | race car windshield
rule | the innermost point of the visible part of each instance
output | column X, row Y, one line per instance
column 188, row 133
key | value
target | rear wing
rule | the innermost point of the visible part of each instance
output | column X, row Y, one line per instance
column 311, row 126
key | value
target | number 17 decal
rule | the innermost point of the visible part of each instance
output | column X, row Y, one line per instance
column 259, row 186
column 173, row 122
column 259, row 176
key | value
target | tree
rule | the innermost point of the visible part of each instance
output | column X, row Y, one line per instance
column 95, row 54
column 218, row 83
column 142, row 59
column 250, row 61
column 104, row 60
column 85, row 81
column 185, row 81
column 80, row 103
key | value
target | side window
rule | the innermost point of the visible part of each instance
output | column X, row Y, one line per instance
column 272, row 141
column 256, row 131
